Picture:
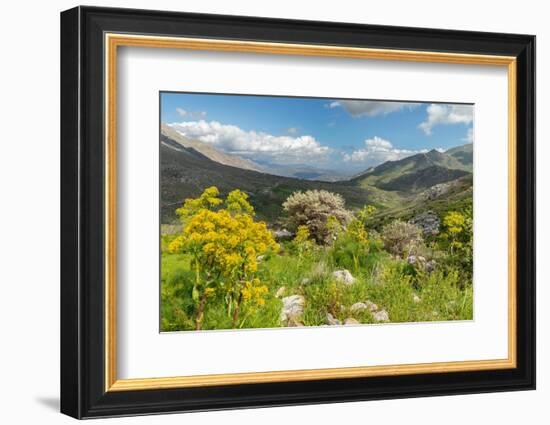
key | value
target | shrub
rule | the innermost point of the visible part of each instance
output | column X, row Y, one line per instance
column 401, row 238
column 302, row 244
column 457, row 239
column 224, row 244
column 314, row 209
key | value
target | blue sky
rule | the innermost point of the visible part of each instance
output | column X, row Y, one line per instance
column 333, row 134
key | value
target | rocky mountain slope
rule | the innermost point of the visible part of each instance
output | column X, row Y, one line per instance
column 174, row 138
column 397, row 188
column 464, row 154
column 186, row 171
column 417, row 172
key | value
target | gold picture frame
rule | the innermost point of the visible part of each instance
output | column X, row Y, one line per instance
column 113, row 41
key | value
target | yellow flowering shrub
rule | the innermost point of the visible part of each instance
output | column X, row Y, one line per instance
column 334, row 228
column 254, row 292
column 209, row 199
column 224, row 244
column 302, row 243
column 357, row 229
column 454, row 223
column 458, row 232
column 176, row 245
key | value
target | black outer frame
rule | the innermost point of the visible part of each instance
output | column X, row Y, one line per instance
column 82, row 206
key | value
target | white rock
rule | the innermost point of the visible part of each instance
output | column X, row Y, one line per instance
column 343, row 276
column 293, row 308
column 381, row 316
column 331, row 320
column 367, row 305
column 282, row 234
column 358, row 307
column 351, row 321
column 411, row 259
column 280, row 292
column 371, row 306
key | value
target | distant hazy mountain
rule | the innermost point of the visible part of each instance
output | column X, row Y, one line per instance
column 208, row 151
column 186, row 172
column 301, row 171
column 417, row 172
column 306, row 172
column 399, row 189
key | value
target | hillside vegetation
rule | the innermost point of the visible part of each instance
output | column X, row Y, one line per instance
column 243, row 248
column 187, row 167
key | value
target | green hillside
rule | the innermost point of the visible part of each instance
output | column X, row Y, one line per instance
column 464, row 154
column 414, row 173
column 185, row 173
column 396, row 188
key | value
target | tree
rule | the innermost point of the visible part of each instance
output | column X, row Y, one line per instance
column 313, row 209
column 224, row 242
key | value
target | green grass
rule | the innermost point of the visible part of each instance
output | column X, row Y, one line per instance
column 388, row 282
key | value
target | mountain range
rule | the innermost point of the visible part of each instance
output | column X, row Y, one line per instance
column 432, row 180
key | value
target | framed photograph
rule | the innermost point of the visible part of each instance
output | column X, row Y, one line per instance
column 261, row 212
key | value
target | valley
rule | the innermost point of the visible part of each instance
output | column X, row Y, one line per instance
column 433, row 180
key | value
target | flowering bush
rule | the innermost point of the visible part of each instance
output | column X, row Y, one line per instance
column 457, row 238
column 455, row 226
column 224, row 244
column 302, row 244
column 320, row 211
column 401, row 238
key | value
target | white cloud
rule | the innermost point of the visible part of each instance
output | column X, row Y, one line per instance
column 358, row 108
column 377, row 151
column 446, row 114
column 191, row 114
column 253, row 144
column 292, row 130
column 469, row 138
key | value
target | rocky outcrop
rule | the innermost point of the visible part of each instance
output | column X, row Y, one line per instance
column 436, row 191
column 427, row 221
